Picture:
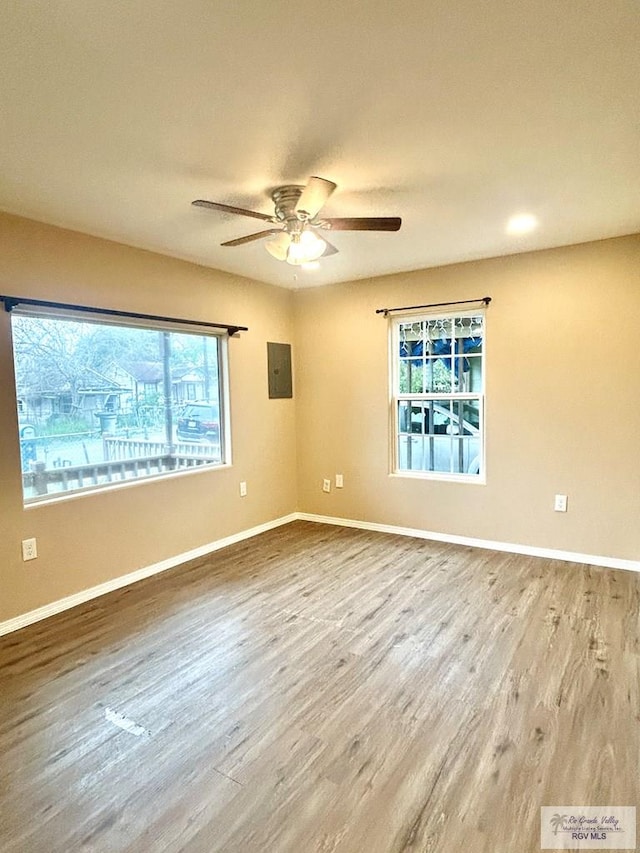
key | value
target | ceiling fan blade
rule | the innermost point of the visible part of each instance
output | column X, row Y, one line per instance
column 240, row 241
column 226, row 208
column 363, row 223
column 330, row 250
column 313, row 197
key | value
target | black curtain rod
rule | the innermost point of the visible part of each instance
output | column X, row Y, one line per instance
column 10, row 302
column 386, row 311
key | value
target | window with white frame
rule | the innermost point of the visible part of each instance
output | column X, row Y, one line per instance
column 102, row 402
column 438, row 395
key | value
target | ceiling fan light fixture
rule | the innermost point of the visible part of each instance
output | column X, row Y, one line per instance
column 305, row 248
column 279, row 246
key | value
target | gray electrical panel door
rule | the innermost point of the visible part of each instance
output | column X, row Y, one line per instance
column 279, row 368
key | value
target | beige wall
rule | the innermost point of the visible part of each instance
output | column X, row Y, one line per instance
column 563, row 408
column 91, row 539
column 563, row 400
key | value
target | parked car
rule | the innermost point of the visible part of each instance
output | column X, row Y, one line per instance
column 427, row 443
column 200, row 421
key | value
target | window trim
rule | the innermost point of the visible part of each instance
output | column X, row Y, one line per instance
column 395, row 397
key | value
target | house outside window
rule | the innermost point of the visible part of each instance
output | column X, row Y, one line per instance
column 438, row 396
column 100, row 403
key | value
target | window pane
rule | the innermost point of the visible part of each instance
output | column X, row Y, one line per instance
column 438, row 336
column 411, row 453
column 411, row 336
column 441, row 454
column 404, row 416
column 472, row 374
column 466, row 455
column 437, row 417
column 467, row 416
column 100, row 403
column 412, row 376
column 440, row 376
column 419, row 417
column 469, row 331
column 413, row 416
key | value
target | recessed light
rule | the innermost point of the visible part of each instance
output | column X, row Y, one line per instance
column 522, row 223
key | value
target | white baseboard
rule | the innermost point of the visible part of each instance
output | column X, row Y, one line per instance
column 511, row 547
column 145, row 572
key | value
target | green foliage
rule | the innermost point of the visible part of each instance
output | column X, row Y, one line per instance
column 64, row 425
column 60, row 356
column 430, row 376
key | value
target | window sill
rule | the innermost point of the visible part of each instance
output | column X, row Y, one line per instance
column 467, row 479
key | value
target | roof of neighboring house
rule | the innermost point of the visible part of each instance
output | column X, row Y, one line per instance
column 53, row 383
column 151, row 371
column 144, row 371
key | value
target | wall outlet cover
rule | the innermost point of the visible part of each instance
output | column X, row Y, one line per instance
column 560, row 503
column 29, row 549
column 326, row 485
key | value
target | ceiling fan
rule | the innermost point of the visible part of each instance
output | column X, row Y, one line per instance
column 297, row 210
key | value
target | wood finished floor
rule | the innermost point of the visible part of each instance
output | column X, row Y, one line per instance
column 324, row 689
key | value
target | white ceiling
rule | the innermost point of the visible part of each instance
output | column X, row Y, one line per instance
column 453, row 114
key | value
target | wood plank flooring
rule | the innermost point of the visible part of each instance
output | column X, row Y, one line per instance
column 320, row 688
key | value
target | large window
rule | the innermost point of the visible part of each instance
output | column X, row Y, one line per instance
column 102, row 403
column 438, row 396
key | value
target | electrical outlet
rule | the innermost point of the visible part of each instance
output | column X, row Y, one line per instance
column 326, row 485
column 243, row 489
column 339, row 481
column 560, row 504
column 29, row 549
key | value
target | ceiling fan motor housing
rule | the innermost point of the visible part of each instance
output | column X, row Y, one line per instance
column 285, row 199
